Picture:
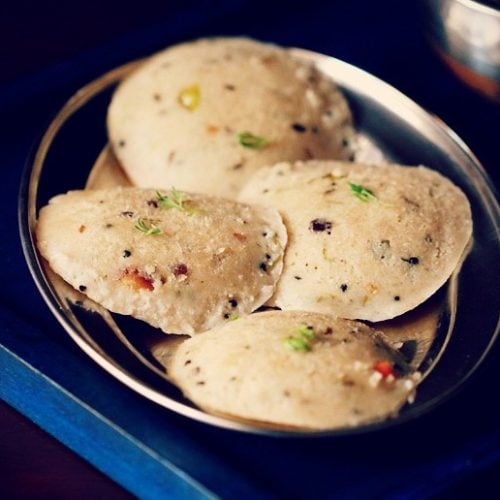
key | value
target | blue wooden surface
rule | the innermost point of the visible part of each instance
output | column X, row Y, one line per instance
column 153, row 452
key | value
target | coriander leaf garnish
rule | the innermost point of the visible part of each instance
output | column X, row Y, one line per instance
column 189, row 97
column 361, row 192
column 147, row 227
column 297, row 344
column 233, row 317
column 306, row 332
column 174, row 200
column 301, row 342
column 249, row 140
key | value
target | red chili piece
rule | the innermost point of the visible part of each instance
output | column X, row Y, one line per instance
column 134, row 279
column 180, row 269
column 384, row 368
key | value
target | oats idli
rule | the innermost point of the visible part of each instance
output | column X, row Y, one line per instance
column 365, row 242
column 181, row 262
column 204, row 115
column 298, row 369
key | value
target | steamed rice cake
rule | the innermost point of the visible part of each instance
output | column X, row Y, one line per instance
column 181, row 262
column 204, row 115
column 365, row 242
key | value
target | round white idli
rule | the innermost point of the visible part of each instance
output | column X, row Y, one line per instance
column 299, row 369
column 365, row 242
column 179, row 261
column 204, row 115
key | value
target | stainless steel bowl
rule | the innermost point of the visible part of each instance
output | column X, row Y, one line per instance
column 389, row 126
column 466, row 34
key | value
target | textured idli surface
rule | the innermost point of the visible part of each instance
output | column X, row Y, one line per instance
column 298, row 369
column 365, row 242
column 179, row 261
column 204, row 115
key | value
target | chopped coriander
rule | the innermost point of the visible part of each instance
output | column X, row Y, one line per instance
column 249, row 140
column 174, row 200
column 301, row 342
column 306, row 332
column 361, row 192
column 147, row 227
column 297, row 344
column 233, row 317
column 189, row 97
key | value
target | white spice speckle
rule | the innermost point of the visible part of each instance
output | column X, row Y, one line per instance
column 150, row 268
column 408, row 384
column 312, row 98
column 301, row 73
column 327, row 121
column 375, row 379
column 358, row 365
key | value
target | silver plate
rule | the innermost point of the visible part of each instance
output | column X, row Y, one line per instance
column 392, row 127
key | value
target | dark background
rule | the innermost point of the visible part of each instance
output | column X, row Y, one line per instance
column 34, row 35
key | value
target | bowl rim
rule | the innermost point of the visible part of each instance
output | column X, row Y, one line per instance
column 480, row 7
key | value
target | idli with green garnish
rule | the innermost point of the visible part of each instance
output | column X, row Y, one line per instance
column 204, row 115
column 295, row 369
column 364, row 242
column 181, row 262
